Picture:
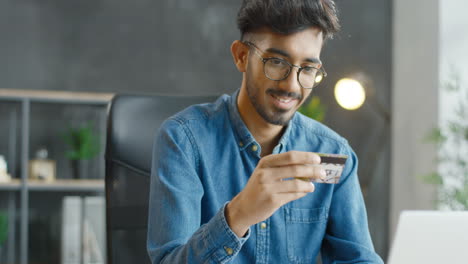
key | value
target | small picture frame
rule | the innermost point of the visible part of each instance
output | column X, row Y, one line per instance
column 42, row 169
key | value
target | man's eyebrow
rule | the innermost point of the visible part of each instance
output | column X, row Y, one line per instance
column 278, row 51
column 285, row 54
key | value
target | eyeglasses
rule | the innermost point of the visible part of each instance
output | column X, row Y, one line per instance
column 277, row 69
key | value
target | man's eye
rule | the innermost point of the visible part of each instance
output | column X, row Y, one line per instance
column 278, row 62
column 309, row 69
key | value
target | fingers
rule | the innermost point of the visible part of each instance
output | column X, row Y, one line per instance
column 295, row 186
column 305, row 172
column 293, row 190
column 289, row 158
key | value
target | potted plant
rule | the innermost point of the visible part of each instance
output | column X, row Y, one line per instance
column 314, row 109
column 83, row 145
column 451, row 139
column 3, row 230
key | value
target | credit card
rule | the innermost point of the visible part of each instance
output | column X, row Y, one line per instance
column 333, row 164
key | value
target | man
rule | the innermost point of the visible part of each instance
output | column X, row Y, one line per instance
column 225, row 184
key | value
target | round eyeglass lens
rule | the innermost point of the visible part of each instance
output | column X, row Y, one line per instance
column 276, row 69
column 310, row 77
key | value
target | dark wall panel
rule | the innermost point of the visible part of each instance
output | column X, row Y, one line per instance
column 119, row 46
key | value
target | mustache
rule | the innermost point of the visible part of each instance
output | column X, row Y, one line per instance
column 282, row 93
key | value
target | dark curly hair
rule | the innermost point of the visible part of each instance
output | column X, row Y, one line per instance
column 288, row 16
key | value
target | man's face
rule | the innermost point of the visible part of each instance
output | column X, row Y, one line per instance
column 277, row 101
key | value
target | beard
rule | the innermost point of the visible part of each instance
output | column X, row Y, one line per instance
column 274, row 116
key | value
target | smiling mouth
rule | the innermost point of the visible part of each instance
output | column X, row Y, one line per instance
column 283, row 99
column 283, row 103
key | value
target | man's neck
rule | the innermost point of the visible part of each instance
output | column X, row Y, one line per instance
column 266, row 134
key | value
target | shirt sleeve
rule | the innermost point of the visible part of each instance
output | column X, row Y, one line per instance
column 175, row 231
column 347, row 239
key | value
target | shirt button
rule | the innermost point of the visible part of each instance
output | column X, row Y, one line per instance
column 241, row 144
column 228, row 250
column 254, row 148
column 263, row 225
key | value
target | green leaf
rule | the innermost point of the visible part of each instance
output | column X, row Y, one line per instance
column 435, row 136
column 433, row 178
column 453, row 84
column 461, row 196
column 3, row 228
column 82, row 142
column 456, row 128
column 314, row 109
column 463, row 163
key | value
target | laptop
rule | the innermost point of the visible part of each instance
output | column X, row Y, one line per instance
column 431, row 237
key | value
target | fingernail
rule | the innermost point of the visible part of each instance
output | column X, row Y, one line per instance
column 323, row 174
column 316, row 159
column 313, row 187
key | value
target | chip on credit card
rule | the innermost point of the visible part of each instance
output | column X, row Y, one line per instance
column 333, row 164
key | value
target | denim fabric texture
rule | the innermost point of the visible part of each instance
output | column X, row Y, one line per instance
column 204, row 156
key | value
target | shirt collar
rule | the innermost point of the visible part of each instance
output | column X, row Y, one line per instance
column 244, row 137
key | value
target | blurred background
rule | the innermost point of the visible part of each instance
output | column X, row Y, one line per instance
column 404, row 54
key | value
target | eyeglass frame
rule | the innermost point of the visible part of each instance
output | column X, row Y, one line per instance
column 264, row 60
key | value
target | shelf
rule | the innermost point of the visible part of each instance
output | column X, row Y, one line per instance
column 56, row 96
column 26, row 114
column 56, row 185
column 67, row 185
column 12, row 185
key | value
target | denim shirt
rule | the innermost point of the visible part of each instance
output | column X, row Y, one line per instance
column 204, row 156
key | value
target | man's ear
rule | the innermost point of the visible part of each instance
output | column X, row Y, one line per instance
column 240, row 53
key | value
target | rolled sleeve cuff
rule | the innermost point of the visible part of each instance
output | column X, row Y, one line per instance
column 223, row 241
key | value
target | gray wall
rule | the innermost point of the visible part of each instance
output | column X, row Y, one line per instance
column 182, row 47
column 415, row 108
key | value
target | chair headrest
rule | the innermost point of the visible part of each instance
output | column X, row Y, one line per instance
column 132, row 123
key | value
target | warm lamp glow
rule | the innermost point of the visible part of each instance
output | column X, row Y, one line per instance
column 319, row 78
column 349, row 94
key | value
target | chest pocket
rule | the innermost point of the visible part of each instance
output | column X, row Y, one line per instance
column 305, row 229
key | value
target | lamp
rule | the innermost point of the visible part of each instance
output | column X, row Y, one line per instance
column 350, row 93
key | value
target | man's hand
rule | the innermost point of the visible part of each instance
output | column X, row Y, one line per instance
column 266, row 191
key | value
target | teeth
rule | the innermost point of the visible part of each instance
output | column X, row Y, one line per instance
column 282, row 100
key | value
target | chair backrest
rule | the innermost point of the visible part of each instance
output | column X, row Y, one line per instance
column 133, row 121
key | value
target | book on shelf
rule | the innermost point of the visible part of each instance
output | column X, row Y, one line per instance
column 94, row 239
column 71, row 230
column 83, row 230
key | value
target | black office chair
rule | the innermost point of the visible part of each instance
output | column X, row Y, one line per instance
column 132, row 123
